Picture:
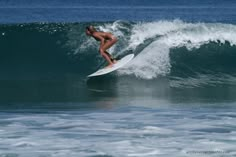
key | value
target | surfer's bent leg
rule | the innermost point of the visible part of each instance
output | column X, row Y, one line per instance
column 106, row 56
column 107, row 45
column 112, row 59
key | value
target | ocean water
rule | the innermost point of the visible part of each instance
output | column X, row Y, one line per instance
column 177, row 97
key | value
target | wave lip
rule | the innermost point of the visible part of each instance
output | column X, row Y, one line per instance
column 155, row 59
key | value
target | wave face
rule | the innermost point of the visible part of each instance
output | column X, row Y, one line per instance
column 173, row 49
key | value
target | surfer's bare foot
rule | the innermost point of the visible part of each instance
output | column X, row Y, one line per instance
column 109, row 66
column 114, row 61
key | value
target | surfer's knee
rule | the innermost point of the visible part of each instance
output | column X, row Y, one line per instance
column 114, row 40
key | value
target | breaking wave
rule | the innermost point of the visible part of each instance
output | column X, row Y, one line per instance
column 174, row 49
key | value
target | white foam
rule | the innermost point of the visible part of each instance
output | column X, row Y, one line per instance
column 151, row 153
column 156, row 130
column 24, row 144
column 136, row 132
column 143, row 31
column 154, row 60
column 151, row 62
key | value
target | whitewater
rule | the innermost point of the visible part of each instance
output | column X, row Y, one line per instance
column 159, row 39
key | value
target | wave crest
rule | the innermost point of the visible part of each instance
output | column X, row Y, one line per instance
column 154, row 60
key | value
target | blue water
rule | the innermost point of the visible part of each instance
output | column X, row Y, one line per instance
column 105, row 10
column 176, row 98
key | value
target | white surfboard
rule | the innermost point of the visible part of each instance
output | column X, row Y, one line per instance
column 120, row 63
